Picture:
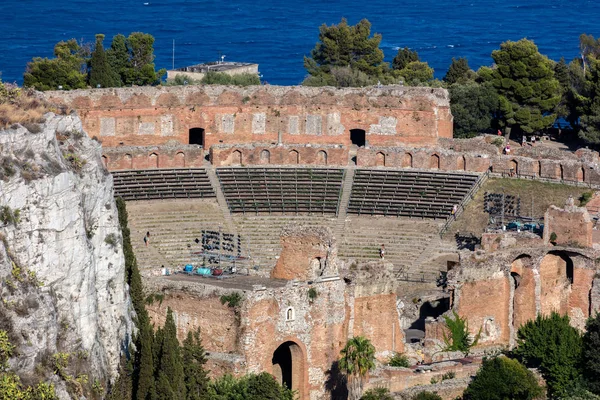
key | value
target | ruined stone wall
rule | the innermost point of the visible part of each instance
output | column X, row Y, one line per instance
column 573, row 226
column 150, row 157
column 142, row 116
column 501, row 292
column 317, row 155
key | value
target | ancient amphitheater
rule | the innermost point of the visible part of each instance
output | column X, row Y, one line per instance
column 288, row 194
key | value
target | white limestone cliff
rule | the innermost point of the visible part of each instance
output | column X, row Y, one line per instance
column 68, row 235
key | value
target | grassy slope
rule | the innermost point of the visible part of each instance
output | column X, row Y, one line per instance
column 474, row 219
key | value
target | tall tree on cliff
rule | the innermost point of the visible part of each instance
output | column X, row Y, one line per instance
column 528, row 91
column 357, row 359
column 346, row 46
column 170, row 383
column 143, row 359
column 101, row 73
column 194, row 359
column 141, row 70
column 67, row 71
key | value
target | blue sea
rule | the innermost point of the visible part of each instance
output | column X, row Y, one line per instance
column 277, row 34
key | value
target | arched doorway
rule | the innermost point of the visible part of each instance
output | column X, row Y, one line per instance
column 523, row 279
column 407, row 160
column 461, row 164
column 288, row 367
column 265, row 157
column 358, row 137
column 293, row 157
column 581, row 175
column 180, row 160
column 153, row 161
column 196, row 136
column 236, row 157
column 539, row 171
column 556, row 278
column 434, row 161
column 380, row 159
column 513, row 166
column 128, row 161
column 322, row 157
column 562, row 172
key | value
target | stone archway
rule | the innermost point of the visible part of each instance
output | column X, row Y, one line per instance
column 265, row 157
column 524, row 307
column 461, row 163
column 289, row 367
column 407, row 160
column 556, row 278
column 513, row 166
column 434, row 161
column 128, row 161
column 581, row 175
column 153, row 160
column 180, row 160
column 236, row 157
column 322, row 157
column 293, row 157
column 380, row 159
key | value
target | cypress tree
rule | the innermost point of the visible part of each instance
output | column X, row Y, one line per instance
column 143, row 359
column 170, row 384
column 118, row 59
column 100, row 70
column 194, row 359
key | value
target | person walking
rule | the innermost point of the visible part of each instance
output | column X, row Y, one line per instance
column 147, row 239
column 382, row 252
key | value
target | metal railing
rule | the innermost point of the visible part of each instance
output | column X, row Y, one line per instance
column 466, row 199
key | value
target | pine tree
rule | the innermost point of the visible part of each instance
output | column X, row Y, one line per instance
column 591, row 355
column 101, row 73
column 528, row 91
column 590, row 109
column 118, row 59
column 170, row 384
column 404, row 57
column 458, row 71
column 194, row 359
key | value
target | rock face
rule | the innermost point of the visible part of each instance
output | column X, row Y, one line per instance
column 61, row 264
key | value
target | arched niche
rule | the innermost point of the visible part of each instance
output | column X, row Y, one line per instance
column 407, row 160
column 153, row 160
column 513, row 166
column 434, row 161
column 380, row 159
column 236, row 157
column 265, row 157
column 128, row 161
column 524, row 307
column 322, row 157
column 180, row 160
column 556, row 277
column 293, row 157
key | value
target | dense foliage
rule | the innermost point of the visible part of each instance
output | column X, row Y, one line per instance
column 129, row 61
column 591, row 354
column 502, row 378
column 377, row 394
column 554, row 347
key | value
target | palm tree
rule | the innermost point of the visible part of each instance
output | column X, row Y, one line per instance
column 358, row 358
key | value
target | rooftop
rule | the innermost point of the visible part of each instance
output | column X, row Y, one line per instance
column 216, row 66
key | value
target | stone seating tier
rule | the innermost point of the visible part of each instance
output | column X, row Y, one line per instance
column 162, row 184
column 281, row 190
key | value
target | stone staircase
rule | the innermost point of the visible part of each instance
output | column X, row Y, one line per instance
column 260, row 236
column 173, row 226
column 343, row 204
column 216, row 185
column 404, row 239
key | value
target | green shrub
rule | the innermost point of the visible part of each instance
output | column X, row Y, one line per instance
column 399, row 360
column 312, row 294
column 233, row 300
column 553, row 237
column 111, row 240
column 424, row 395
column 377, row 394
column 460, row 338
column 9, row 216
column 498, row 141
column 585, row 198
column 503, row 378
